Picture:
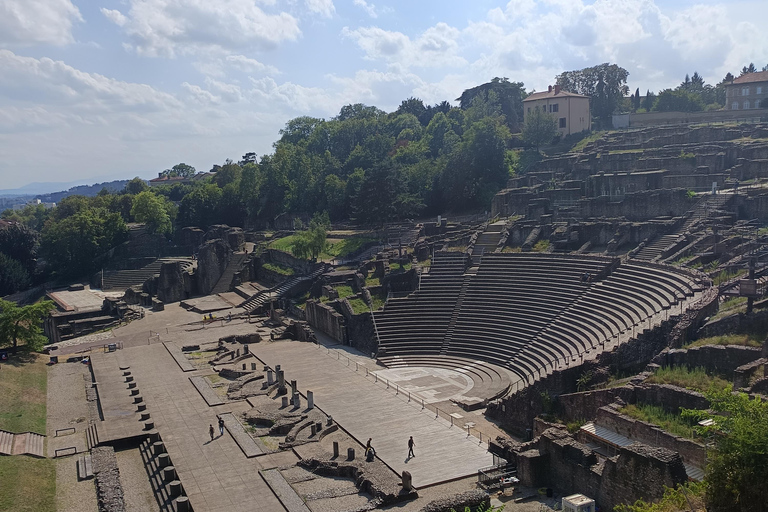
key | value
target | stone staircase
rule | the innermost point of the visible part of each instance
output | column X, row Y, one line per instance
column 225, row 281
column 455, row 315
column 92, row 437
column 700, row 212
column 26, row 443
column 488, row 240
column 124, row 279
column 262, row 297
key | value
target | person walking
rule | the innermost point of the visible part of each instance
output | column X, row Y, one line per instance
column 210, row 431
column 411, row 444
column 221, row 425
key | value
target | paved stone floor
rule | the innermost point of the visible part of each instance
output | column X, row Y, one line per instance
column 367, row 409
column 215, row 474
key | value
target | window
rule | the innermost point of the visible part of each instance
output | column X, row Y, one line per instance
column 746, row 104
column 745, row 91
column 735, row 105
column 759, row 89
column 562, row 122
column 554, row 108
column 529, row 110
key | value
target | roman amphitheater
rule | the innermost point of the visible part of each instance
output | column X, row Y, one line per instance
column 481, row 338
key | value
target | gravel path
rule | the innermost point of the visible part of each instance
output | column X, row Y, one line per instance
column 137, row 491
column 71, row 495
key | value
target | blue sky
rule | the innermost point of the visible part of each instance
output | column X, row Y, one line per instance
column 96, row 90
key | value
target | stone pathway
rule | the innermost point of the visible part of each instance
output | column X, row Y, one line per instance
column 216, row 475
column 366, row 409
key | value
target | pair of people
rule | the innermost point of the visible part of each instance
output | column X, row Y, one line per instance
column 221, row 428
column 370, row 453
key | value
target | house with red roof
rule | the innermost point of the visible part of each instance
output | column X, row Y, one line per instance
column 570, row 110
column 749, row 91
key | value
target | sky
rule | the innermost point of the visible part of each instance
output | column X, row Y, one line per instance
column 111, row 89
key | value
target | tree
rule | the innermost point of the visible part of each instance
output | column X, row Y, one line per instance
column 736, row 469
column 678, row 101
column 605, row 84
column 200, row 207
column 748, row 69
column 311, row 242
column 181, row 170
column 13, row 276
column 20, row 243
column 540, row 128
column 22, row 324
column 649, row 100
column 154, row 211
column 136, row 186
column 636, row 100
column 499, row 95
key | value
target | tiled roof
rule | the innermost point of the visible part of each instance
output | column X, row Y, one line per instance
column 551, row 94
column 168, row 179
column 748, row 78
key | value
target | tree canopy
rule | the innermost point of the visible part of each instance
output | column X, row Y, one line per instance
column 540, row 128
column 21, row 324
column 605, row 84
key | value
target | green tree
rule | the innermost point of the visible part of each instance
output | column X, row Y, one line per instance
column 136, row 186
column 540, row 128
column 605, row 84
column 748, row 69
column 499, row 95
column 154, row 211
column 13, row 276
column 670, row 100
column 200, row 206
column 21, row 324
column 20, row 243
column 181, row 170
column 312, row 241
column 649, row 100
column 736, row 468
column 32, row 215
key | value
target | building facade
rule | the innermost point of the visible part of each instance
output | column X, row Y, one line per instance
column 749, row 91
column 571, row 111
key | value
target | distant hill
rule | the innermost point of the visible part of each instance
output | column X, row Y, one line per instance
column 47, row 189
column 83, row 190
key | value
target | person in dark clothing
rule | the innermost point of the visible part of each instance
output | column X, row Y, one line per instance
column 221, row 425
column 210, row 431
column 411, row 444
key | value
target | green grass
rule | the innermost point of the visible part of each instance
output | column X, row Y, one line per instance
column 372, row 281
column 725, row 276
column 358, row 306
column 747, row 340
column 731, row 306
column 672, row 423
column 541, row 246
column 278, row 269
column 396, row 267
column 624, row 151
column 335, row 247
column 377, row 301
column 508, row 248
column 26, row 484
column 579, row 146
column 696, row 379
column 344, row 291
column 23, row 388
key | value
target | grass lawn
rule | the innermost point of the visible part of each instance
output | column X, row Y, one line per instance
column 344, row 291
column 748, row 340
column 335, row 247
column 26, row 483
column 672, row 423
column 696, row 379
column 278, row 269
column 23, row 388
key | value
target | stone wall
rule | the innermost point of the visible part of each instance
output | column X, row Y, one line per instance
column 173, row 283
column 558, row 461
column 690, row 451
column 736, row 324
column 713, row 358
column 327, row 320
column 287, row 259
column 213, row 258
column 639, row 206
column 361, row 333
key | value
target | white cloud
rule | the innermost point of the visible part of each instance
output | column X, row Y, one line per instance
column 322, row 7
column 26, row 22
column 436, row 47
column 249, row 65
column 369, row 8
column 114, row 16
column 171, row 27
